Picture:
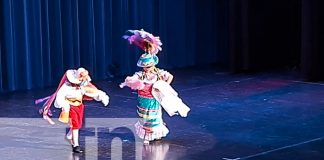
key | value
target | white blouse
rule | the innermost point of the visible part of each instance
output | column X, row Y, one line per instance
column 67, row 91
column 152, row 78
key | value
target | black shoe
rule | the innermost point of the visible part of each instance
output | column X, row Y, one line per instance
column 77, row 149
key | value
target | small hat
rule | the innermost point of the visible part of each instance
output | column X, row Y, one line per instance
column 147, row 60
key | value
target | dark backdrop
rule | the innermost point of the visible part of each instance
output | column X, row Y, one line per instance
column 272, row 34
column 40, row 39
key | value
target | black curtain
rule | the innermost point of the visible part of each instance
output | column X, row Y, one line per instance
column 40, row 39
column 312, row 40
column 264, row 34
column 271, row 34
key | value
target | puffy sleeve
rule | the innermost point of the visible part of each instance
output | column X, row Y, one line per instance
column 92, row 91
column 137, row 75
column 134, row 82
column 164, row 74
column 60, row 101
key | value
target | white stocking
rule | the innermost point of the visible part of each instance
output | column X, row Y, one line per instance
column 75, row 134
column 69, row 134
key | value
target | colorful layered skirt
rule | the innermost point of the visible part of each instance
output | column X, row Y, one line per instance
column 150, row 125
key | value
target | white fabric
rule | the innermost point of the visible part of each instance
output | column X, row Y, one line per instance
column 67, row 91
column 158, row 132
column 133, row 82
column 164, row 74
column 169, row 99
column 152, row 78
column 99, row 96
column 75, row 139
column 69, row 134
column 72, row 76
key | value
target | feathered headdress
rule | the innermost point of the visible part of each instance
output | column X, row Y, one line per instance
column 142, row 39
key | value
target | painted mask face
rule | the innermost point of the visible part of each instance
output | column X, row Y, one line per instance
column 84, row 83
column 84, row 77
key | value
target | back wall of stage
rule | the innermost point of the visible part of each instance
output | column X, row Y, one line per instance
column 40, row 39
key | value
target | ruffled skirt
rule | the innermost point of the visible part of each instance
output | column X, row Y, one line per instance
column 150, row 126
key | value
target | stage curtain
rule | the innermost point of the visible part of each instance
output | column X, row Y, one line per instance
column 264, row 35
column 41, row 39
column 312, row 48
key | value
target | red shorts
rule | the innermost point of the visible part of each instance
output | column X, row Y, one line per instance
column 76, row 115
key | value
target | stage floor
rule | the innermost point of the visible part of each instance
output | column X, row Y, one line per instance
column 267, row 116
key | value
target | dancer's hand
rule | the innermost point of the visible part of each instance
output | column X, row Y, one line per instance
column 105, row 100
column 49, row 120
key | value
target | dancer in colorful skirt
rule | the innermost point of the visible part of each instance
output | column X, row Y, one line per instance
column 75, row 86
column 151, row 125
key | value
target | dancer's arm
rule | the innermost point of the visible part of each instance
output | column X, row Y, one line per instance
column 170, row 78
